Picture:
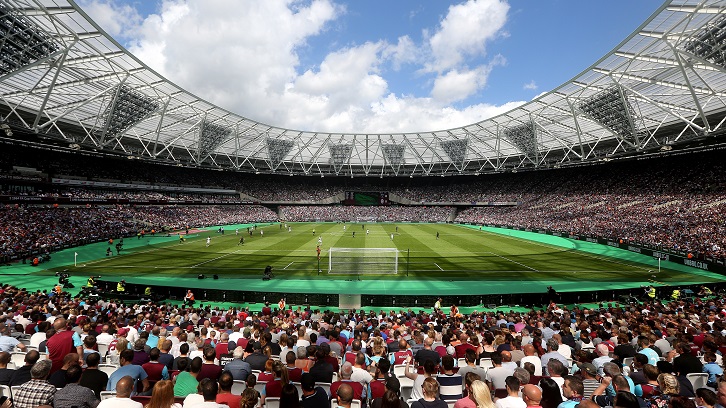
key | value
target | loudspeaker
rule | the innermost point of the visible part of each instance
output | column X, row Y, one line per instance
column 201, row 276
column 215, row 276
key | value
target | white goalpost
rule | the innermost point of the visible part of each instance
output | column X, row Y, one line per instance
column 360, row 261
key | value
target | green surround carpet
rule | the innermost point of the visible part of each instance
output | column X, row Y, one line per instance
column 42, row 277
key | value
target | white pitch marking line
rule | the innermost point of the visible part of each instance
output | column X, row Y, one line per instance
column 214, row 259
column 513, row 261
column 289, row 264
column 437, row 265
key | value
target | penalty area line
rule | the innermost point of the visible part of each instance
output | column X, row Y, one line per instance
column 214, row 259
column 437, row 265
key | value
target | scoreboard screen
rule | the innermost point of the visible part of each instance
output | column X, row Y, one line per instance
column 366, row 198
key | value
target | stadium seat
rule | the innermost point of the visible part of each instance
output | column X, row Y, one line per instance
column 17, row 358
column 107, row 368
column 260, row 386
column 102, row 350
column 627, row 361
column 325, row 386
column 486, row 363
column 12, row 366
column 698, row 380
column 399, row 370
column 5, row 391
column 272, row 402
column 107, row 394
column 299, row 388
column 406, row 391
column 14, row 389
column 238, row 386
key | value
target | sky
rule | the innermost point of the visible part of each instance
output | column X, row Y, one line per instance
column 369, row 66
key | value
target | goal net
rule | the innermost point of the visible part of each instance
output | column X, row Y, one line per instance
column 354, row 261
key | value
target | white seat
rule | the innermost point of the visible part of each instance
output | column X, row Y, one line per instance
column 43, row 356
column 406, row 391
column 335, row 377
column 325, row 386
column 17, row 358
column 256, row 373
column 399, row 370
column 238, row 386
column 450, row 403
column 102, row 350
column 260, row 386
column 24, row 341
column 12, row 366
column 436, row 344
column 461, row 362
column 5, row 391
column 698, row 380
column 627, row 361
column 107, row 394
column 272, row 402
column 355, row 404
column 299, row 388
column 486, row 363
column 14, row 389
column 107, row 368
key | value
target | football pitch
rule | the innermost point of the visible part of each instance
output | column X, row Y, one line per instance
column 459, row 253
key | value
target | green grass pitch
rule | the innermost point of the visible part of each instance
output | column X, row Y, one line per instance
column 460, row 253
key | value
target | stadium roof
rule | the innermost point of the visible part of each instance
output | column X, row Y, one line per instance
column 63, row 77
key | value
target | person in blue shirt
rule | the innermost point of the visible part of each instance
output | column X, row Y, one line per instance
column 712, row 369
column 127, row 369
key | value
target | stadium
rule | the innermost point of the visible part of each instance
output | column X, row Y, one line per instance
column 606, row 185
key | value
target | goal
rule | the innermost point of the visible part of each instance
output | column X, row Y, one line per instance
column 359, row 261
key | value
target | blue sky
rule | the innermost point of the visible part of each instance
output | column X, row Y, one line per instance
column 369, row 66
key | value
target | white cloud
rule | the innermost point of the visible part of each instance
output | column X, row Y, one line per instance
column 530, row 86
column 245, row 56
column 465, row 31
column 116, row 19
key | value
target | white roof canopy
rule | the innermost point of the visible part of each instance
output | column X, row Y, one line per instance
column 62, row 76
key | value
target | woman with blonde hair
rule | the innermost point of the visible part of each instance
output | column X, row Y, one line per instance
column 669, row 388
column 162, row 395
column 481, row 395
column 113, row 355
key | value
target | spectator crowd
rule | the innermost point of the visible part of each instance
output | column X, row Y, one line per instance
column 652, row 355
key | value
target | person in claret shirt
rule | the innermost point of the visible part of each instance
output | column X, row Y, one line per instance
column 62, row 343
column 209, row 368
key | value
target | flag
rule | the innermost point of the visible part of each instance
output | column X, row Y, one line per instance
column 76, row 253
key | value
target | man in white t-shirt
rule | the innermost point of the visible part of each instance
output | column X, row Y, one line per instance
column 209, row 389
column 512, row 399
column 124, row 386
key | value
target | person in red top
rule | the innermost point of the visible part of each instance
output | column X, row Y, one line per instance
column 274, row 388
column 293, row 373
column 345, row 372
column 404, row 351
column 222, row 348
column 60, row 344
column 463, row 346
column 225, row 395
column 155, row 371
column 378, row 385
column 209, row 368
